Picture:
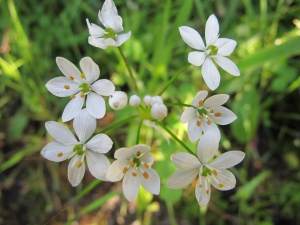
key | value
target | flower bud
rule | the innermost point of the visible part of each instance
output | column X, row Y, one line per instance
column 118, row 100
column 159, row 111
column 147, row 100
column 156, row 99
column 135, row 101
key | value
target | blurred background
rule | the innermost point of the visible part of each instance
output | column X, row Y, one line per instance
column 265, row 98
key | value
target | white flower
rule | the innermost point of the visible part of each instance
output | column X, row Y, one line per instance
column 135, row 101
column 216, row 48
column 204, row 114
column 147, row 100
column 66, row 146
column 214, row 172
column 79, row 85
column 155, row 99
column 102, row 38
column 118, row 100
column 134, row 164
column 159, row 111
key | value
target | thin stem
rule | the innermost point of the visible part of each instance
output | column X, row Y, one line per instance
column 138, row 132
column 175, row 137
column 170, row 210
column 173, row 79
column 119, row 123
column 135, row 87
column 178, row 104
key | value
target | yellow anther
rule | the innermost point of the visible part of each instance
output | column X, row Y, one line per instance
column 79, row 165
column 207, row 192
column 134, row 174
column 131, row 163
column 146, row 165
column 218, row 114
column 208, row 122
column 82, row 95
column 200, row 103
column 221, row 185
column 59, row 154
column 82, row 76
column 67, row 87
column 215, row 172
column 146, row 175
column 198, row 123
column 138, row 153
column 200, row 186
column 125, row 170
column 211, row 111
column 72, row 96
column 89, row 86
column 71, row 78
column 200, row 117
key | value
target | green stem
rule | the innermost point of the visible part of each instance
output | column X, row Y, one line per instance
column 138, row 132
column 170, row 210
column 135, row 87
column 178, row 104
column 172, row 79
column 175, row 137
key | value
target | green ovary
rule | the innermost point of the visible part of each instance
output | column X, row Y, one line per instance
column 85, row 87
column 206, row 172
column 110, row 33
column 136, row 162
column 214, row 50
column 78, row 149
column 202, row 112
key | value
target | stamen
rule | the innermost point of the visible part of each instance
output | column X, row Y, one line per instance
column 67, row 87
column 200, row 103
column 208, row 122
column 71, row 78
column 72, row 96
column 218, row 114
column 79, row 164
column 82, row 76
column 146, row 165
column 125, row 169
column 146, row 175
column 59, row 154
column 89, row 86
column 207, row 192
column 131, row 163
column 138, row 153
column 134, row 174
column 198, row 123
column 215, row 172
column 211, row 111
column 200, row 117
column 200, row 186
column 221, row 185
column 82, row 95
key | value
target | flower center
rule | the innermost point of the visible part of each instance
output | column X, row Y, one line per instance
column 214, row 50
column 206, row 172
column 109, row 33
column 202, row 111
column 137, row 162
column 85, row 88
column 78, row 149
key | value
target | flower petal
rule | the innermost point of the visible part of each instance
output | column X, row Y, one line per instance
column 202, row 191
column 212, row 127
column 207, row 147
column 200, row 96
column 196, row 58
column 138, row 150
column 90, row 69
column 131, row 184
column 216, row 100
column 188, row 114
column 76, row 170
column 73, row 108
column 222, row 115
column 56, row 151
column 192, row 38
column 95, row 105
column 103, row 87
column 225, row 46
column 121, row 38
column 211, row 30
column 95, row 30
column 84, row 125
column 108, row 13
column 147, row 158
column 185, row 161
column 150, row 180
column 69, row 69
column 227, row 65
column 118, row 24
column 182, row 178
column 97, row 164
column 62, row 87
column 97, row 42
column 194, row 131
column 123, row 153
column 110, row 42
column 228, row 159
column 100, row 143
column 60, row 133
column 210, row 74
column 225, row 180
column 115, row 171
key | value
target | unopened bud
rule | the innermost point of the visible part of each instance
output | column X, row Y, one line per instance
column 135, row 101
column 156, row 99
column 159, row 111
column 147, row 100
column 118, row 100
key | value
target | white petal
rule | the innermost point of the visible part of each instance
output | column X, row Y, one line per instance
column 108, row 13
column 73, row 108
column 192, row 38
column 228, row 159
column 68, row 69
column 200, row 96
column 121, row 38
column 137, row 150
column 95, row 30
column 216, row 100
column 76, row 170
column 95, row 105
column 182, row 178
column 90, row 69
column 194, row 131
column 84, row 125
column 225, row 46
column 131, row 184
column 227, row 116
column 210, row 74
column 212, row 127
column 56, row 151
column 147, row 158
column 188, row 114
column 97, row 164
column 57, row 87
column 100, row 143
column 150, row 180
column 110, row 42
column 97, row 42
column 103, row 87
column 123, row 153
column 185, row 161
column 118, row 24
column 196, row 58
column 211, row 29
column 60, row 133
column 207, row 147
column 115, row 171
column 225, row 180
column 227, row 65
column 202, row 191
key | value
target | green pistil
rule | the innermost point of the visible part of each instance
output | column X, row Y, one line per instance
column 78, row 149
column 202, row 111
column 84, row 87
column 214, row 50
column 206, row 172
column 110, row 33
column 136, row 162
